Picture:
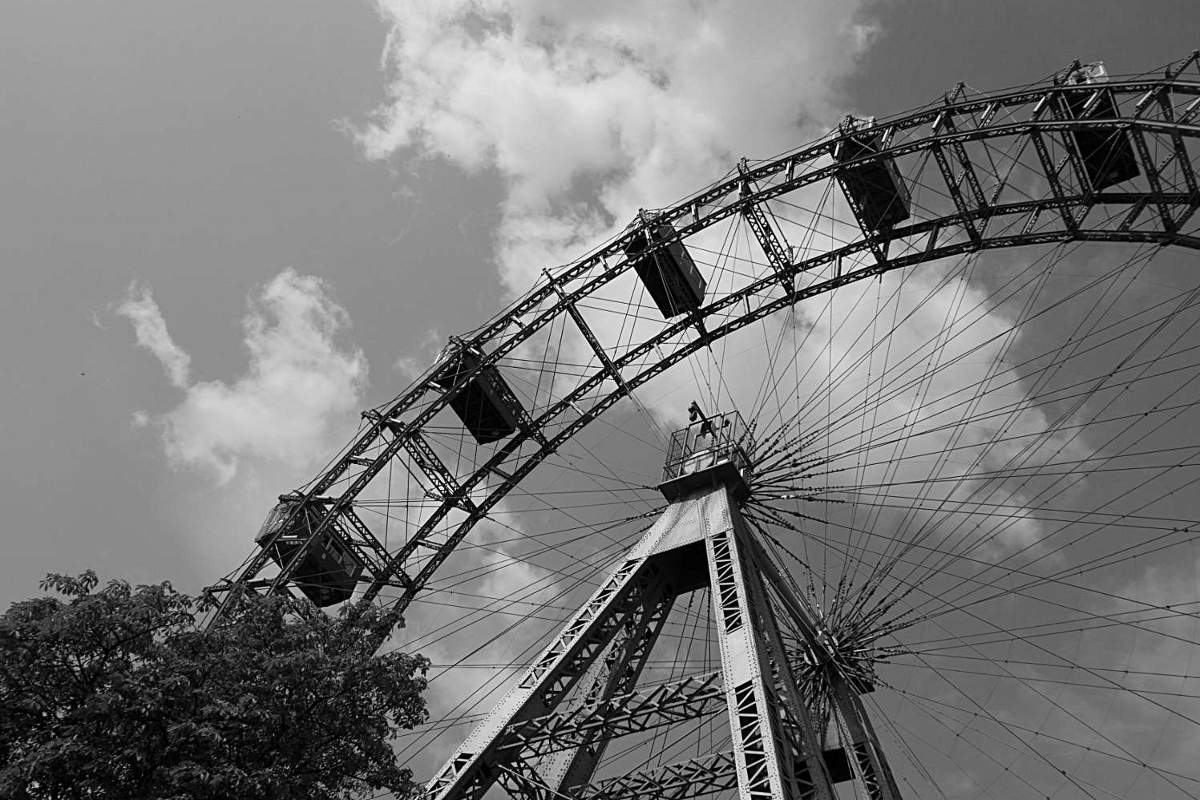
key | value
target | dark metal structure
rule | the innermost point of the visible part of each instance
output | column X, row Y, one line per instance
column 872, row 183
column 478, row 394
column 665, row 266
column 1107, row 156
column 328, row 568
column 1097, row 160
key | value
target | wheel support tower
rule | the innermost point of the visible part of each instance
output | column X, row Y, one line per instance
column 536, row 745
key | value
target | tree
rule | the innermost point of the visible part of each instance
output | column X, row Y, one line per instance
column 118, row 692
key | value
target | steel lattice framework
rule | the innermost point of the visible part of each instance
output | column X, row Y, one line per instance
column 775, row 752
column 1065, row 209
column 1045, row 194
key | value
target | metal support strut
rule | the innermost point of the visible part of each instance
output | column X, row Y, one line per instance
column 532, row 744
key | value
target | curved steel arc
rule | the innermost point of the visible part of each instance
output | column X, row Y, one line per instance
column 713, row 204
column 677, row 355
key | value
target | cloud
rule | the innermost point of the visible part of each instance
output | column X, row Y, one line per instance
column 298, row 389
column 589, row 111
column 151, row 330
column 422, row 353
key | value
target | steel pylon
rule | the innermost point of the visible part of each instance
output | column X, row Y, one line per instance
column 533, row 744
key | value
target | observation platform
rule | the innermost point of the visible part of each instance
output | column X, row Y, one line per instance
column 711, row 451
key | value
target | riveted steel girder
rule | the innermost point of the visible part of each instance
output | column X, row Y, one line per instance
column 700, row 540
column 667, row 703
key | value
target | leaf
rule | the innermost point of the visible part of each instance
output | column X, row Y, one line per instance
column 120, row 687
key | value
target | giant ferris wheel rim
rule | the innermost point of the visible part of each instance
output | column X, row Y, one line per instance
column 725, row 198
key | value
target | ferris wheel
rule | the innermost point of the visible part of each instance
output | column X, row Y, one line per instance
column 869, row 470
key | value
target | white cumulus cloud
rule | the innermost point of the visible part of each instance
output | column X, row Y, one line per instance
column 299, row 385
column 151, row 331
column 592, row 110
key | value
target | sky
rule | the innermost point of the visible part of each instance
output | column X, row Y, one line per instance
column 226, row 228
column 194, row 153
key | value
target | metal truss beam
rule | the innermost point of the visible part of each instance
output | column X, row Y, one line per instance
column 641, row 710
column 700, row 540
column 1151, row 172
column 590, row 337
column 774, row 247
column 873, row 769
column 1161, row 97
column 619, row 673
column 521, row 780
column 956, row 194
column 764, row 713
column 380, row 560
column 877, row 244
column 693, row 778
column 524, row 421
column 796, row 726
column 968, row 174
column 1181, row 157
column 1051, row 173
column 471, row 771
column 954, row 182
column 427, row 460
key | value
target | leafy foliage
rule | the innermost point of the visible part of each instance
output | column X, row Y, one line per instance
column 117, row 692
